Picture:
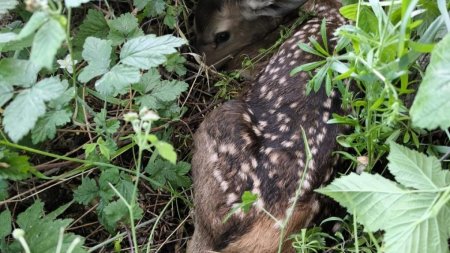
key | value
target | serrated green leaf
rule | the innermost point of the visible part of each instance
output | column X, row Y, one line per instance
column 41, row 231
column 414, row 229
column 46, row 42
column 117, row 211
column 14, row 166
column 414, row 169
column 94, row 25
column 431, row 104
column 148, row 81
column 175, row 63
column 45, row 128
column 22, row 113
column 163, row 92
column 63, row 100
column 86, row 192
column 104, row 126
column 117, row 80
column 75, row 3
column 6, row 6
column 18, row 72
column 165, row 172
column 97, row 53
column 410, row 222
column 123, row 28
column 6, row 92
column 33, row 213
column 169, row 90
column 166, row 151
column 366, row 194
column 149, row 51
column 5, row 220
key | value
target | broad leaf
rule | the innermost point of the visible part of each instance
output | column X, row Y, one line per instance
column 45, row 128
column 86, row 192
column 118, row 79
column 18, row 72
column 5, row 220
column 47, row 41
column 97, row 53
column 94, row 25
column 6, row 92
column 431, row 106
column 415, row 170
column 165, row 172
column 149, row 51
column 41, row 231
column 415, row 221
column 371, row 196
column 22, row 113
column 124, row 27
column 14, row 166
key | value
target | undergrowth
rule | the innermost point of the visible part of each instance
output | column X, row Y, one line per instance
column 99, row 100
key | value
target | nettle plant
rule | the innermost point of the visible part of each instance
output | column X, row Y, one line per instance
column 47, row 70
column 384, row 47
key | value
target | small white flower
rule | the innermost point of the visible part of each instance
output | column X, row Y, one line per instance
column 150, row 116
column 131, row 116
column 66, row 63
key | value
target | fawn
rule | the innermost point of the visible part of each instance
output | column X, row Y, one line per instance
column 254, row 143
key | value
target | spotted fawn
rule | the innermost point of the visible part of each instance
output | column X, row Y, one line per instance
column 254, row 143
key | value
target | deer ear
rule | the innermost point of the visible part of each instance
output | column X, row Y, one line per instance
column 252, row 9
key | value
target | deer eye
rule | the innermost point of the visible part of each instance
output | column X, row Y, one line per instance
column 221, row 37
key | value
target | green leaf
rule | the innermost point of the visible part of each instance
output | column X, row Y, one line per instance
column 414, row 230
column 117, row 80
column 47, row 41
column 34, row 23
column 154, row 7
column 22, row 113
column 414, row 169
column 45, row 128
column 41, row 232
column 369, row 196
column 117, row 211
column 94, row 25
column 431, row 104
column 14, row 166
column 104, row 126
column 124, row 28
column 97, row 53
column 75, row 3
column 175, row 63
column 86, row 192
column 6, row 92
column 18, row 72
column 6, row 6
column 148, row 81
column 33, row 213
column 149, row 51
column 5, row 220
column 164, row 91
column 3, row 189
column 412, row 221
column 165, row 172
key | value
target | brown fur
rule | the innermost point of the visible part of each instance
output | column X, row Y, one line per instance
column 254, row 144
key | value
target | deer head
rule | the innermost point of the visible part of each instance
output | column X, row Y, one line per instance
column 225, row 27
